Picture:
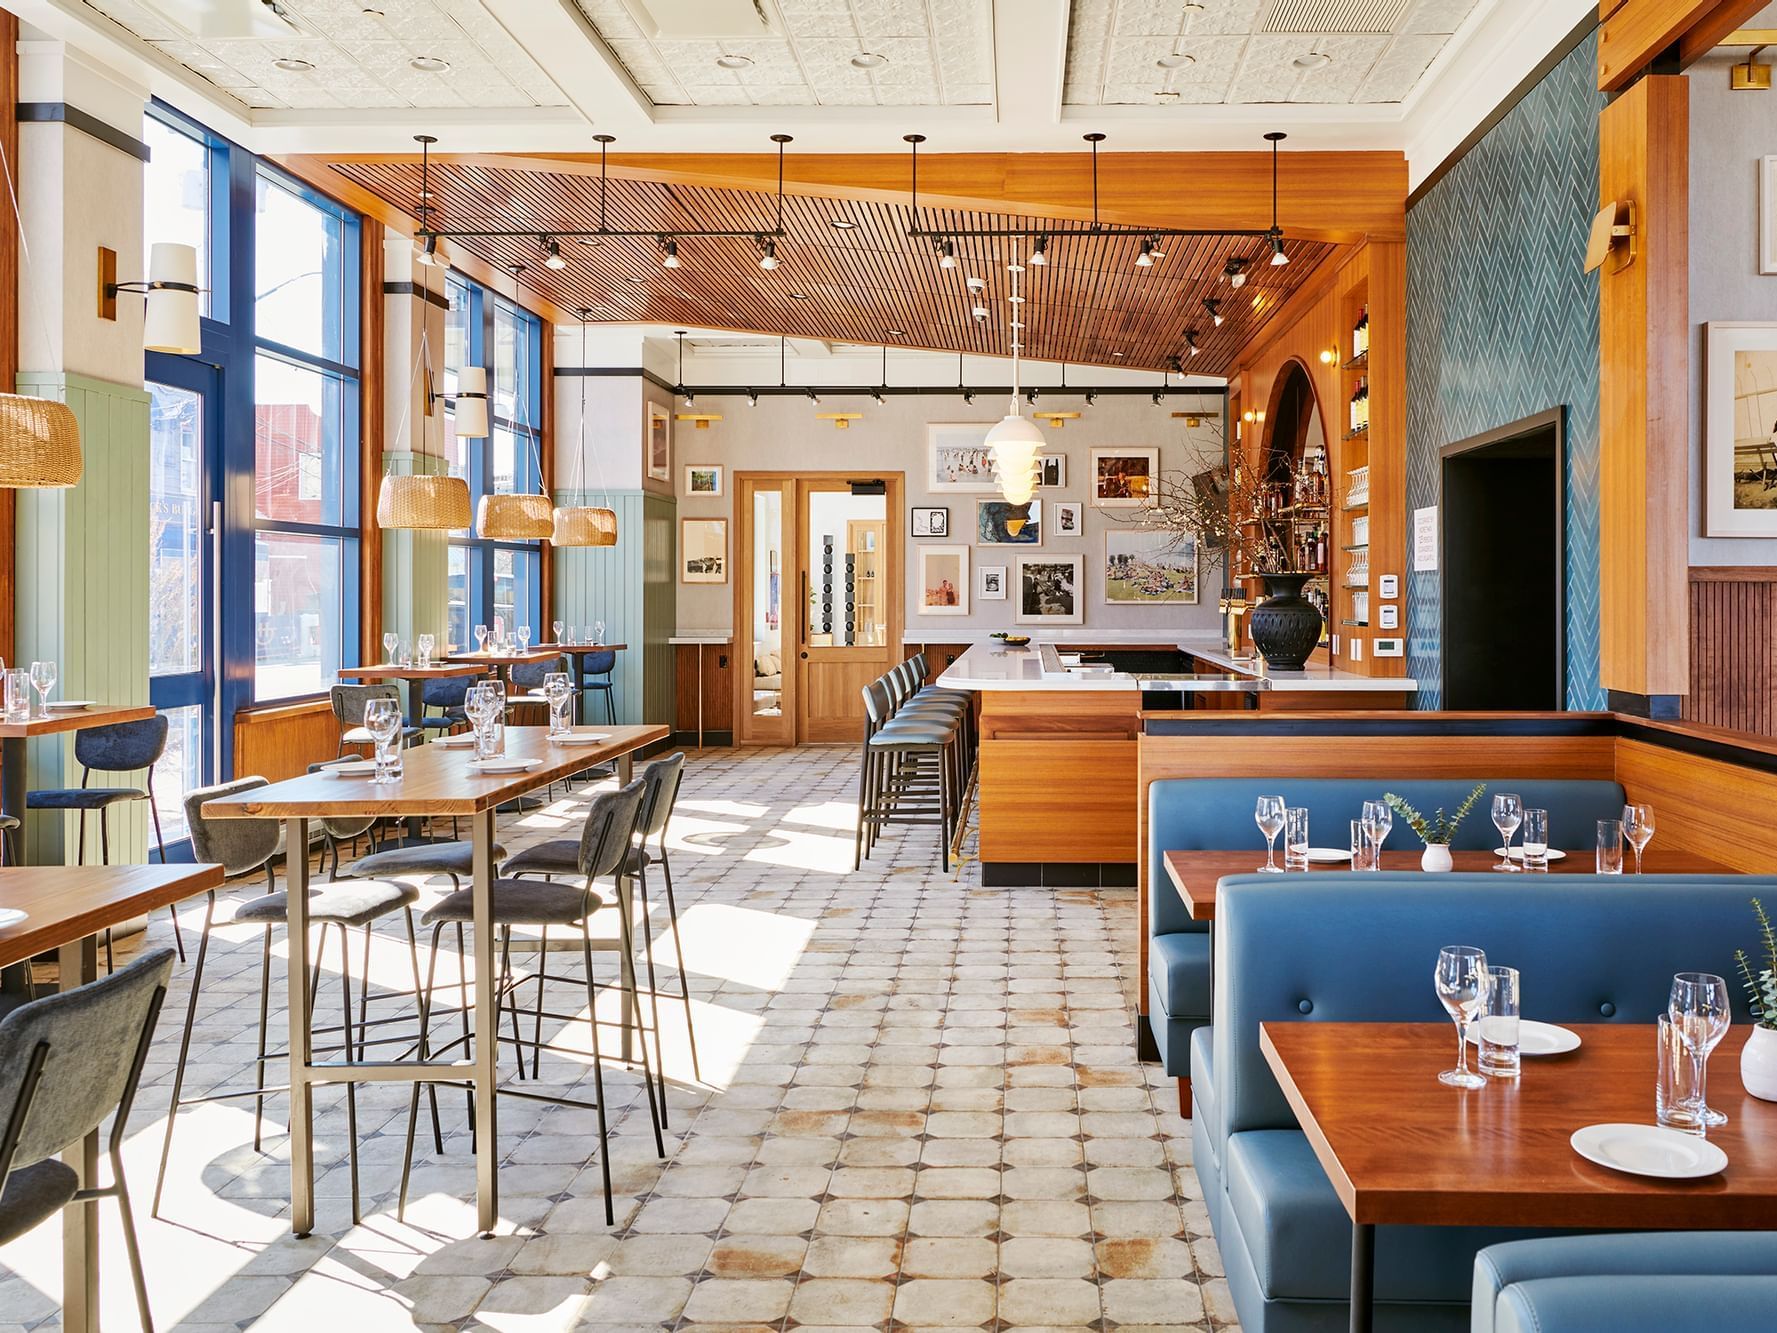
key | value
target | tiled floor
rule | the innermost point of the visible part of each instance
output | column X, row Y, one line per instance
column 921, row 1108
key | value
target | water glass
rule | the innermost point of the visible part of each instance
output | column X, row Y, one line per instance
column 1268, row 815
column 1461, row 980
column 1508, row 813
column 1499, row 1024
column 1610, row 847
column 427, row 644
column 565, row 635
column 1378, row 821
column 404, row 655
column 1700, row 1011
column 390, row 639
column 43, row 677
column 598, row 633
column 1536, row 839
column 1638, row 828
column 1675, row 1095
column 1363, row 856
column 1295, row 838
column 18, row 694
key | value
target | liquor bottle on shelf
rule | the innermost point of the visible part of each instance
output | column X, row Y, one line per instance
column 1360, row 336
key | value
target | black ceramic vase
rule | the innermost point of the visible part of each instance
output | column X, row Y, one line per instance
column 1285, row 626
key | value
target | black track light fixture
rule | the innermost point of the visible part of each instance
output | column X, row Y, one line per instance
column 946, row 253
column 1213, row 305
column 752, row 398
column 669, row 252
column 1091, row 397
column 1039, row 253
column 767, row 253
column 1234, row 273
column 1191, row 341
column 1174, row 365
column 1278, row 257
column 552, row 255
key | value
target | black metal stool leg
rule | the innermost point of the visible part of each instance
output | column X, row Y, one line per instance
column 264, row 1007
column 598, row 1068
column 197, row 978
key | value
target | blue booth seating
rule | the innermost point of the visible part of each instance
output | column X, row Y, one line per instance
column 1216, row 814
column 1647, row 1282
column 1348, row 948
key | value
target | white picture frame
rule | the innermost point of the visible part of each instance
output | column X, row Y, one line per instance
column 991, row 583
column 943, row 588
column 1150, row 567
column 1740, row 430
column 703, row 550
column 957, row 457
column 931, row 521
column 1121, row 478
column 704, row 481
column 657, row 447
column 1068, row 518
column 991, row 524
column 1051, row 471
column 1767, row 214
column 1050, row 591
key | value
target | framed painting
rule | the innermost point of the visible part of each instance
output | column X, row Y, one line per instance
column 660, row 443
column 1740, row 430
column 943, row 581
column 1000, row 524
column 1145, row 567
column 704, row 479
column 931, row 522
column 703, row 550
column 1070, row 521
column 1767, row 214
column 1049, row 590
column 1123, row 478
column 993, row 583
column 1052, row 471
column 958, row 458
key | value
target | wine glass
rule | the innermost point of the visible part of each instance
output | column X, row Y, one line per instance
column 43, row 680
column 1638, row 828
column 556, row 626
column 1461, row 978
column 558, row 688
column 480, row 637
column 382, row 719
column 480, row 704
column 1269, row 816
column 1699, row 1010
column 1378, row 823
column 598, row 633
column 1508, row 813
column 426, row 644
column 524, row 638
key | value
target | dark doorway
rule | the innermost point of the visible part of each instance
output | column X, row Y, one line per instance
column 1502, row 564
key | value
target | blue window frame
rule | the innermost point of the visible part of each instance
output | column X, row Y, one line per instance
column 489, row 579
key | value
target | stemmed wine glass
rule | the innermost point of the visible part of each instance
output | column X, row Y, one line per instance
column 382, row 719
column 1508, row 813
column 427, row 643
column 1269, row 817
column 1638, row 828
column 1699, row 1010
column 481, row 704
column 390, row 640
column 1378, row 822
column 1461, row 978
column 598, row 633
column 480, row 637
column 524, row 638
column 43, row 679
column 558, row 688
column 556, row 626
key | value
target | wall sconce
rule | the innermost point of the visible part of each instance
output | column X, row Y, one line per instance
column 470, row 402
column 1192, row 420
column 1058, row 420
column 171, row 322
column 1613, row 237
column 700, row 420
column 1328, row 355
column 840, row 420
column 1751, row 77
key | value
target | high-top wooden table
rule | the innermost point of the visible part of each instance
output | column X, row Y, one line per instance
column 578, row 653
column 1401, row 1149
column 412, row 677
column 66, row 908
column 437, row 781
column 13, row 736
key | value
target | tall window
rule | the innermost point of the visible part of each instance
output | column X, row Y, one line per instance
column 494, row 579
column 305, row 438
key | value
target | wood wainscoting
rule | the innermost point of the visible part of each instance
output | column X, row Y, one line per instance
column 1056, row 770
column 281, row 742
column 1733, row 629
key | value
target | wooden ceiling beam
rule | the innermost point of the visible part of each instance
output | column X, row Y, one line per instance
column 1633, row 33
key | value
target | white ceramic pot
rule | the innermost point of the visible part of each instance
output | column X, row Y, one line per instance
column 1758, row 1064
column 1436, row 860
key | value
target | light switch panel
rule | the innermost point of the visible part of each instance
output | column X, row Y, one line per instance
column 1388, row 648
column 1389, row 585
column 1388, row 617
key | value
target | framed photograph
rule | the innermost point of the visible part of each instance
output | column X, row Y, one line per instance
column 1740, row 430
column 959, row 459
column 703, row 479
column 1144, row 567
column 1000, row 524
column 1123, row 478
column 1767, row 215
column 660, row 443
column 943, row 581
column 931, row 522
column 1049, row 590
column 1070, row 518
column 703, row 550
column 1052, row 470
column 993, row 583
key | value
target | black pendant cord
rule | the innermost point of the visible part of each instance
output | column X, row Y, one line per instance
column 604, row 142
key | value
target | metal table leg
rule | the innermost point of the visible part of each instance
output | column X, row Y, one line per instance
column 487, row 1148
column 579, row 660
column 302, row 1095
column 80, row 1222
column 1363, row 1278
column 12, row 802
column 700, row 696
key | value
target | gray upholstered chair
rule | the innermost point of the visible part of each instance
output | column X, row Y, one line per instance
column 340, row 829
column 606, row 839
column 67, row 1062
column 441, row 703
column 242, row 846
column 9, row 849
column 349, row 702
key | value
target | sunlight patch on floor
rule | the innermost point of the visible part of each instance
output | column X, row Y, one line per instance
column 806, row 851
column 739, row 944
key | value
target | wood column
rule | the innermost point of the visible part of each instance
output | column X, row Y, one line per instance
column 9, row 316
column 1644, row 374
column 372, row 390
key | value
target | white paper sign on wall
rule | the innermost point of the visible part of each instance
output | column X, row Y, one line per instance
column 1425, row 538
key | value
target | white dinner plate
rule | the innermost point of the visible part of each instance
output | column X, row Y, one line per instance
column 352, row 768
column 1517, row 853
column 11, row 916
column 69, row 705
column 465, row 741
column 1328, row 856
column 504, row 765
column 1536, row 1038
column 1649, row 1150
column 582, row 738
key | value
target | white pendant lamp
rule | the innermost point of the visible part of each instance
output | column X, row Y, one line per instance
column 471, row 403
column 1015, row 441
column 584, row 525
column 171, row 324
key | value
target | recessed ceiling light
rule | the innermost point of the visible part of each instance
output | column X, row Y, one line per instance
column 868, row 60
column 843, row 224
column 897, row 333
column 1116, row 356
column 1312, row 60
column 798, row 296
column 734, row 62
column 1177, row 60
column 291, row 65
column 430, row 64
column 1166, row 95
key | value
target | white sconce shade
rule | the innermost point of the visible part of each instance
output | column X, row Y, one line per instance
column 471, row 403
column 171, row 324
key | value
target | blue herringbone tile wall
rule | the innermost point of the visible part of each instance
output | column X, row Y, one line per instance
column 1502, row 323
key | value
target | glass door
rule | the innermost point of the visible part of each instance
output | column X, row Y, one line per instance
column 764, row 618
column 183, row 415
column 850, row 589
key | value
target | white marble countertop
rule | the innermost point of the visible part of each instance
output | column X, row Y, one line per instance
column 996, row 666
column 706, row 637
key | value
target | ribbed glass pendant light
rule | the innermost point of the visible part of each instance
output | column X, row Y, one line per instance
column 1015, row 440
column 584, row 525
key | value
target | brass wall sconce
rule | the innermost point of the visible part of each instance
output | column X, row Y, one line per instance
column 1613, row 237
column 840, row 420
column 700, row 420
column 1058, row 420
column 1751, row 76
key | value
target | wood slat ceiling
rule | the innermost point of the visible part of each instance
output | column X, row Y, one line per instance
column 1090, row 304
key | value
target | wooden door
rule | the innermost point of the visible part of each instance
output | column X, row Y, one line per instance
column 765, row 631
column 851, row 594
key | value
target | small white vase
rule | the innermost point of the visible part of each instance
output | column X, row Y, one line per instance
column 1758, row 1064
column 1436, row 860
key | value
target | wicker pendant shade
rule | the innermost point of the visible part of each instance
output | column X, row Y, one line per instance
column 427, row 503
column 514, row 518
column 39, row 443
column 584, row 525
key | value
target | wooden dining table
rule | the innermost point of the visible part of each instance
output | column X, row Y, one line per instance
column 13, row 736
column 1401, row 1149
column 66, row 909
column 412, row 678
column 437, row 781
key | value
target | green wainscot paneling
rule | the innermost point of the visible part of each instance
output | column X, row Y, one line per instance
column 416, row 565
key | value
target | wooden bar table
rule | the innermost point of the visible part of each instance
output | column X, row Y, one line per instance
column 13, row 736
column 1401, row 1149
column 412, row 677
column 437, row 781
column 578, row 653
column 66, row 908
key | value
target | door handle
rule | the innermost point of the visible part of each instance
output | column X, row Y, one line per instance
column 804, row 657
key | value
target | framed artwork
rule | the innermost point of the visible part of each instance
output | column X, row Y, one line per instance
column 1767, row 215
column 1052, row 470
column 660, row 443
column 1740, row 430
column 1145, row 567
column 1000, row 524
column 943, row 581
column 703, row 550
column 1049, row 590
column 1070, row 518
column 704, row 479
column 931, row 522
column 993, row 583
column 1123, row 478
column 958, row 457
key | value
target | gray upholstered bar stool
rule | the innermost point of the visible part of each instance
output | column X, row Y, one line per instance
column 906, row 773
column 242, row 846
column 69, row 1062
column 909, row 698
column 9, row 850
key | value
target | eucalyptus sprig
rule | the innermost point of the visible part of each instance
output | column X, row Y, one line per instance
column 1440, row 828
column 1761, row 988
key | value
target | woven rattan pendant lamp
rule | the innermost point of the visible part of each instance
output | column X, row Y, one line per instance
column 419, row 502
column 584, row 525
column 39, row 437
column 517, row 516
